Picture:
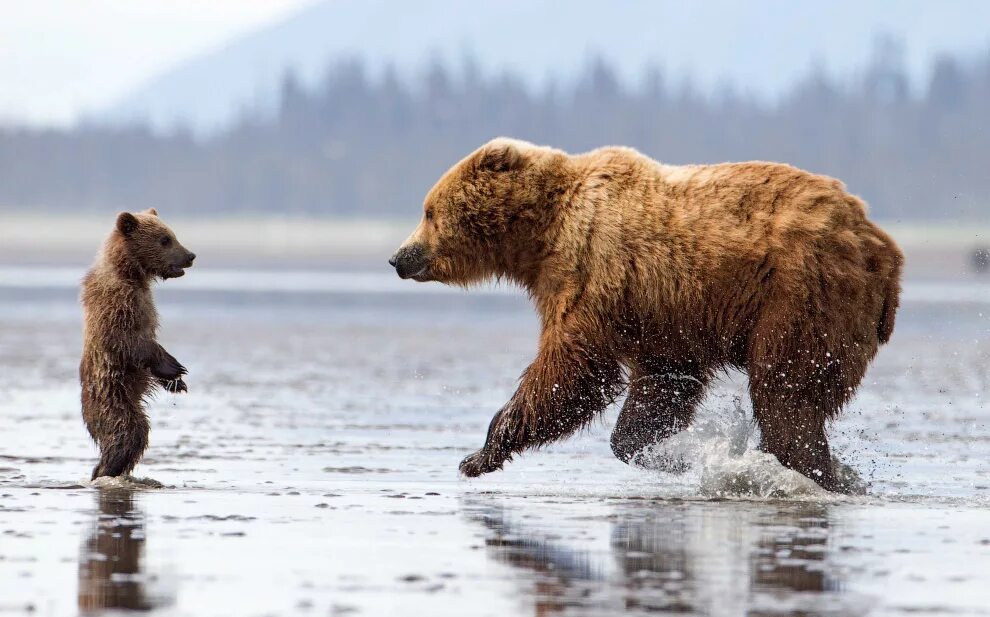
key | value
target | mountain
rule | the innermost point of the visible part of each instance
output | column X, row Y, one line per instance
column 757, row 48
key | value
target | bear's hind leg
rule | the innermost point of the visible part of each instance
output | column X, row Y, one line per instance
column 799, row 379
column 793, row 402
column 660, row 402
column 794, row 432
column 121, row 450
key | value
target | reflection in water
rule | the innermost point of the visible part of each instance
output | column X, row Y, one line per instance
column 110, row 565
column 688, row 558
column 563, row 577
column 793, row 559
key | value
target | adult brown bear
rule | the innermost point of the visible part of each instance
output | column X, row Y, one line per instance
column 654, row 277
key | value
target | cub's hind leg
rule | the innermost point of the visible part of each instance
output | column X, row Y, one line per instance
column 122, row 445
column 120, row 428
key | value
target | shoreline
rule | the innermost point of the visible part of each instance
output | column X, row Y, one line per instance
column 933, row 250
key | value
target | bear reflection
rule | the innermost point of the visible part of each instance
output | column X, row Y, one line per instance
column 110, row 564
column 563, row 577
column 793, row 557
column 683, row 558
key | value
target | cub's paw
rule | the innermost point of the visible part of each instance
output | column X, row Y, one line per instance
column 174, row 386
column 168, row 368
column 478, row 464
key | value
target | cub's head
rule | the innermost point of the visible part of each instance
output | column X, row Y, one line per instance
column 146, row 243
column 486, row 217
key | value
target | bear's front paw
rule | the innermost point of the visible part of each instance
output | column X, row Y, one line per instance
column 168, row 368
column 478, row 464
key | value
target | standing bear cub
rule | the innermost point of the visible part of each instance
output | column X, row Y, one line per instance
column 650, row 278
column 122, row 360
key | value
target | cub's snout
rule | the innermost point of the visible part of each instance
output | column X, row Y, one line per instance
column 178, row 267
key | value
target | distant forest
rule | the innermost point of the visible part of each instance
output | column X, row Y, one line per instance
column 364, row 146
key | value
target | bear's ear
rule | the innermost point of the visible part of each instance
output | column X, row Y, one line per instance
column 500, row 155
column 126, row 223
column 151, row 211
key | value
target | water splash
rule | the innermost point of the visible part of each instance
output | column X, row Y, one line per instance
column 719, row 457
column 125, row 482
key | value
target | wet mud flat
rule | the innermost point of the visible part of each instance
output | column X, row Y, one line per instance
column 312, row 470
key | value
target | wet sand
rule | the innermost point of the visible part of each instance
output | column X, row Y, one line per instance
column 312, row 470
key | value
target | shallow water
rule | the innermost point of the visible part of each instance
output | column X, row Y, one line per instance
column 312, row 470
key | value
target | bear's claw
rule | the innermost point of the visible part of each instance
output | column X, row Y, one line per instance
column 174, row 386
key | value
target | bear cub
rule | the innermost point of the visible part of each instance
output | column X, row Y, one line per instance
column 122, row 361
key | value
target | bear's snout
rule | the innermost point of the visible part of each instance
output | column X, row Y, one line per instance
column 411, row 261
column 177, row 264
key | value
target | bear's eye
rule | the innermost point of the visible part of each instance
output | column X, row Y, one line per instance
column 429, row 214
column 166, row 241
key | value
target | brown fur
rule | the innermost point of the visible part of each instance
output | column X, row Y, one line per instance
column 122, row 361
column 656, row 277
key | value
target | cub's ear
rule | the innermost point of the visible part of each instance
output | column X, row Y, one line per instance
column 151, row 211
column 500, row 155
column 126, row 223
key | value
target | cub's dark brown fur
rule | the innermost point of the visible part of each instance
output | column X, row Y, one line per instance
column 122, row 361
column 652, row 278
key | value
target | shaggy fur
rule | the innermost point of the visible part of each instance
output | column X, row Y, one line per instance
column 121, row 360
column 656, row 277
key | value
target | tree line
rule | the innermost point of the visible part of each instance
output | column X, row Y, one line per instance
column 370, row 146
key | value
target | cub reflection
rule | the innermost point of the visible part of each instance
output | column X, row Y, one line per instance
column 110, row 564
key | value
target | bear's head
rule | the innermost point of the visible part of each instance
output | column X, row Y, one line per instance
column 487, row 216
column 146, row 247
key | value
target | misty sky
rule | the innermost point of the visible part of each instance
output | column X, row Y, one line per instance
column 61, row 57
